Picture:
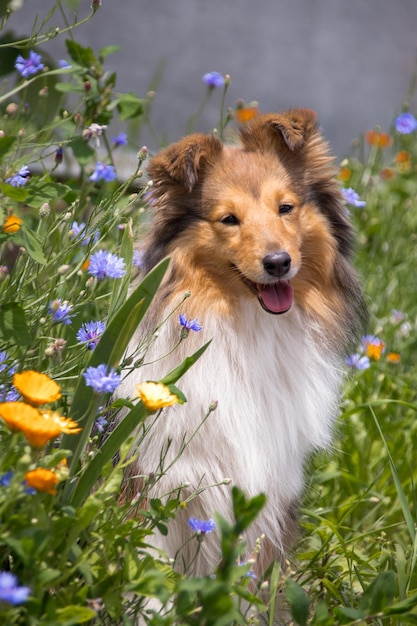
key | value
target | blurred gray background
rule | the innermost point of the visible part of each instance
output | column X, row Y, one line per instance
column 350, row 60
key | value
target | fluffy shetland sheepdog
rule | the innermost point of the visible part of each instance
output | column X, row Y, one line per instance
column 259, row 236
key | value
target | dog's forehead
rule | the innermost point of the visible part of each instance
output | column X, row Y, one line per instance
column 248, row 171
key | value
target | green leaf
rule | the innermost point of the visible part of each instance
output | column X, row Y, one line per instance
column 68, row 88
column 74, row 614
column 347, row 614
column 81, row 150
column 246, row 509
column 298, row 601
column 15, row 193
column 41, row 192
column 104, row 52
column 33, row 246
column 177, row 392
column 129, row 106
column 179, row 371
column 13, row 325
column 380, row 593
column 83, row 56
column 6, row 143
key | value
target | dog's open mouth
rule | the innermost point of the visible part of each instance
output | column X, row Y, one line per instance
column 276, row 297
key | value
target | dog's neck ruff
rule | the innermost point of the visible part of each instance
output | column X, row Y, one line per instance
column 276, row 382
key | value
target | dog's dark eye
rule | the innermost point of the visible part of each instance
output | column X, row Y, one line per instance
column 285, row 208
column 230, row 220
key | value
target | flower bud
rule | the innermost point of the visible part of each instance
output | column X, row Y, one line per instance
column 12, row 108
column 44, row 210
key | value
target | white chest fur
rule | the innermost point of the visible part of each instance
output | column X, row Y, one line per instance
column 277, row 386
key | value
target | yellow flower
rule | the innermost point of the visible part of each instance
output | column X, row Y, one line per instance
column 12, row 224
column 65, row 424
column 42, row 480
column 37, row 427
column 36, row 388
column 155, row 395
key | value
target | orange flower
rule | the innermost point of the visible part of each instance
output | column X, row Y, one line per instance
column 393, row 357
column 387, row 173
column 345, row 174
column 246, row 113
column 38, row 428
column 12, row 224
column 42, row 480
column 403, row 159
column 374, row 350
column 378, row 139
column 36, row 388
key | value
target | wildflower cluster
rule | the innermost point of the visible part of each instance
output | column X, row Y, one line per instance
column 38, row 425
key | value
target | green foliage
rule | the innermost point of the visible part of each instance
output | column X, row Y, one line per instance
column 81, row 549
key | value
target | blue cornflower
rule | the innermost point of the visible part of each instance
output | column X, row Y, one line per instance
column 101, row 424
column 10, row 591
column 103, row 172
column 396, row 316
column 90, row 333
column 351, row 197
column 101, row 380
column 29, row 67
column 190, row 324
column 104, row 264
column 213, row 79
column 137, row 260
column 250, row 574
column 120, row 140
column 6, row 479
column 358, row 361
column 79, row 231
column 63, row 64
column 61, row 311
column 201, row 526
column 3, row 363
column 405, row 123
column 19, row 179
column 8, row 394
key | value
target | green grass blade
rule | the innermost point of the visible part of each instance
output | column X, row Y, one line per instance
column 109, row 351
column 119, row 435
column 121, row 288
column 408, row 516
column 106, row 453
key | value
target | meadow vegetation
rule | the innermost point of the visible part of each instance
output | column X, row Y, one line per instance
column 73, row 202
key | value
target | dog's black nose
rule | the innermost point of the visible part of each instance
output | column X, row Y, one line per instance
column 277, row 264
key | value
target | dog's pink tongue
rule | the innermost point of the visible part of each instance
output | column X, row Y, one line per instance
column 276, row 298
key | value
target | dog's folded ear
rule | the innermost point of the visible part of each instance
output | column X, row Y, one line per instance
column 185, row 161
column 292, row 128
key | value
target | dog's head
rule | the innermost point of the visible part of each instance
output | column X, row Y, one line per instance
column 266, row 216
